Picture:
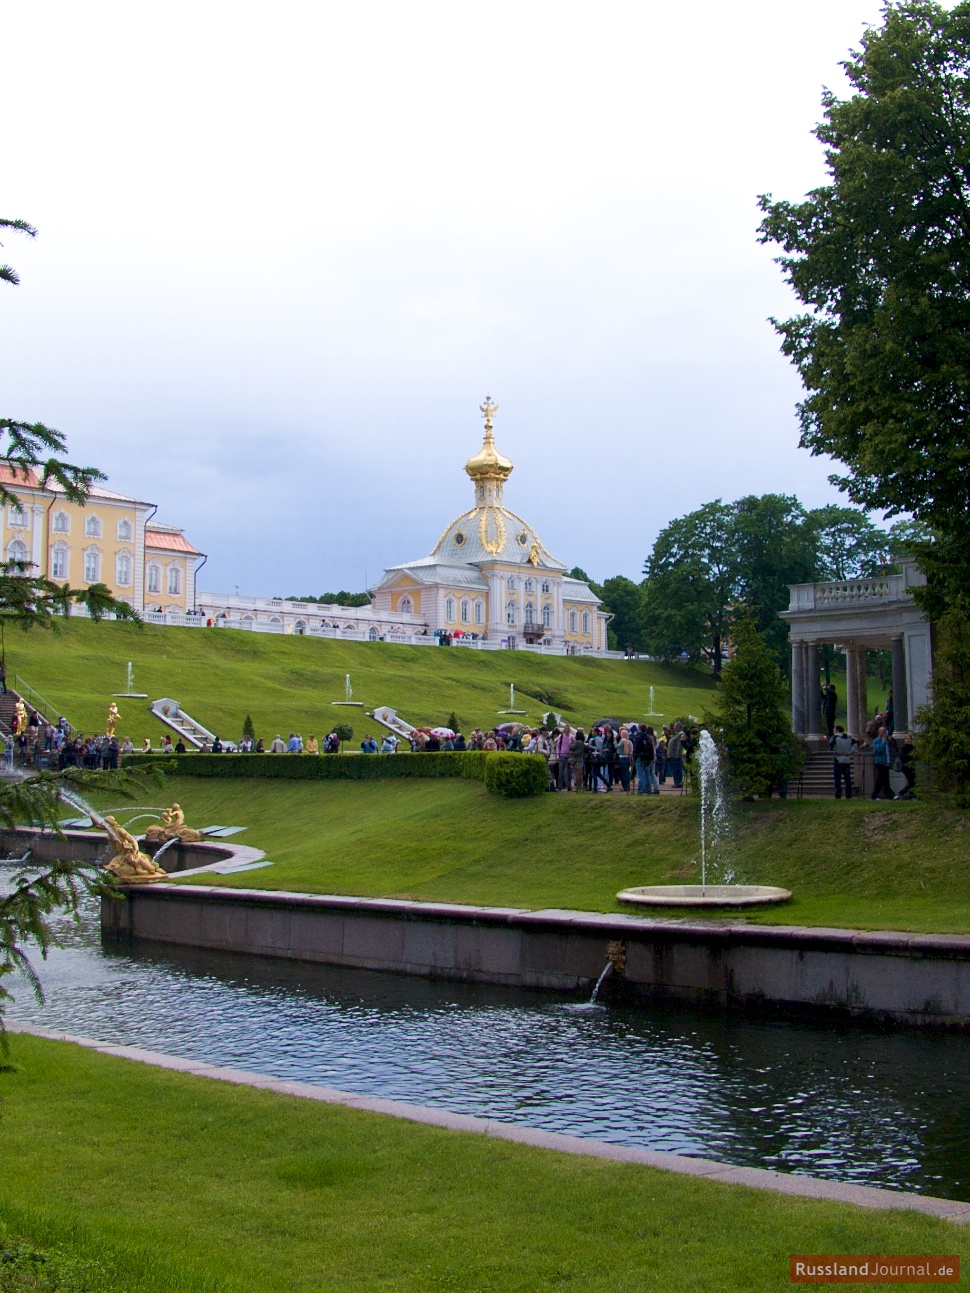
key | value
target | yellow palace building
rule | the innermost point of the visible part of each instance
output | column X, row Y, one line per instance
column 110, row 539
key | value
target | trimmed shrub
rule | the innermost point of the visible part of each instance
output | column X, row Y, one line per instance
column 516, row 775
column 324, row 767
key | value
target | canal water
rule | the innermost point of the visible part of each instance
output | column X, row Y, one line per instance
column 844, row 1101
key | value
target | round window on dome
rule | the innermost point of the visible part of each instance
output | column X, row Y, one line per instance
column 459, row 538
column 523, row 538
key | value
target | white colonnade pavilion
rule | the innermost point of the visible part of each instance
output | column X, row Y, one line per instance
column 859, row 615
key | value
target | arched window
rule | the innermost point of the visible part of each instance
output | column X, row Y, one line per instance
column 449, row 609
column 547, row 616
column 62, row 523
column 372, row 634
column 466, row 610
column 154, row 577
column 92, row 527
column 124, row 530
column 174, row 580
column 545, row 585
column 479, row 612
column 530, row 613
column 60, row 556
column 17, row 515
column 510, row 612
column 585, row 621
column 275, row 619
column 405, row 605
column 573, row 621
column 92, row 565
column 123, row 569
column 17, row 551
column 510, row 583
column 247, row 620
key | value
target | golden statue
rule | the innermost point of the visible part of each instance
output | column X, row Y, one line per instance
column 129, row 864
column 488, row 409
column 113, row 717
column 20, row 715
column 172, row 827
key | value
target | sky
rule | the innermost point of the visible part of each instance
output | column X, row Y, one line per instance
column 286, row 250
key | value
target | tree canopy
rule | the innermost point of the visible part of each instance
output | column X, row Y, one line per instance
column 724, row 557
column 880, row 258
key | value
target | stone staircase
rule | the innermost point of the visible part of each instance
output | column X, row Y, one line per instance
column 171, row 713
column 817, row 780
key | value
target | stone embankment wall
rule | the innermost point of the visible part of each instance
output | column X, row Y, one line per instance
column 918, row 979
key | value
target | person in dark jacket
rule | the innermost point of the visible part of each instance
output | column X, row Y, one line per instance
column 842, row 746
column 830, row 701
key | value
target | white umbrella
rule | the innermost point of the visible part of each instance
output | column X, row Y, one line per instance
column 442, row 732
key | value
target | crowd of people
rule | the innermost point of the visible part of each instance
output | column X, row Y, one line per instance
column 888, row 754
column 631, row 757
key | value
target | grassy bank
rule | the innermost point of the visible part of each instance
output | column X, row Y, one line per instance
column 179, row 1183
column 857, row 864
column 288, row 683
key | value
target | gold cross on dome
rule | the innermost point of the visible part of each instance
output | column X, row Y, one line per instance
column 488, row 408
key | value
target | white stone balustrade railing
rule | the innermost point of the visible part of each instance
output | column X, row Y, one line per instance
column 849, row 592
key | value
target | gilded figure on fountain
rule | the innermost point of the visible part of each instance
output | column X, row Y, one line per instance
column 172, row 827
column 129, row 865
column 113, row 716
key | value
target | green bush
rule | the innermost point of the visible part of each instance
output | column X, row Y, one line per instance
column 516, row 775
column 324, row 767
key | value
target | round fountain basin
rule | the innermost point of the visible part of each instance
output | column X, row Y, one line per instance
column 711, row 895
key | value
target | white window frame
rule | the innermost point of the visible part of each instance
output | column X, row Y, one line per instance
column 547, row 616
column 510, row 583
column 125, row 531
column 174, row 576
column 60, row 561
column 586, row 622
column 527, row 586
column 153, row 577
column 61, row 524
column 479, row 611
column 92, row 526
column 573, row 622
column 545, row 585
column 449, row 610
column 511, row 611
column 466, row 611
column 92, row 561
column 17, row 550
column 17, row 516
column 405, row 605
column 530, row 614
column 124, row 579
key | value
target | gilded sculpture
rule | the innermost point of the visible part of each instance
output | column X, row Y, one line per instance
column 20, row 717
column 113, row 716
column 129, row 864
column 172, row 827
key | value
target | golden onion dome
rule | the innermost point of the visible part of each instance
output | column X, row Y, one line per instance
column 488, row 463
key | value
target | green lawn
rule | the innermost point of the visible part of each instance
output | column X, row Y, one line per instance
column 288, row 683
column 857, row 864
column 182, row 1184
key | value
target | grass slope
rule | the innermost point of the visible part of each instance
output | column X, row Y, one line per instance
column 856, row 864
column 250, row 1190
column 288, row 683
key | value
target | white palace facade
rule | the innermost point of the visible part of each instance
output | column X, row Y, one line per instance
column 489, row 582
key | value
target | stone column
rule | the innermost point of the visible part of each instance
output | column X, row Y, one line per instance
column 862, row 691
column 900, row 699
column 798, row 686
column 813, row 688
column 851, row 686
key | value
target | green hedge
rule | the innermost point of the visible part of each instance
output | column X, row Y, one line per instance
column 516, row 775
column 322, row 767
column 512, row 775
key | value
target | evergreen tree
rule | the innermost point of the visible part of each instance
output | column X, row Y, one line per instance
column 248, row 729
column 453, row 722
column 750, row 717
column 944, row 737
